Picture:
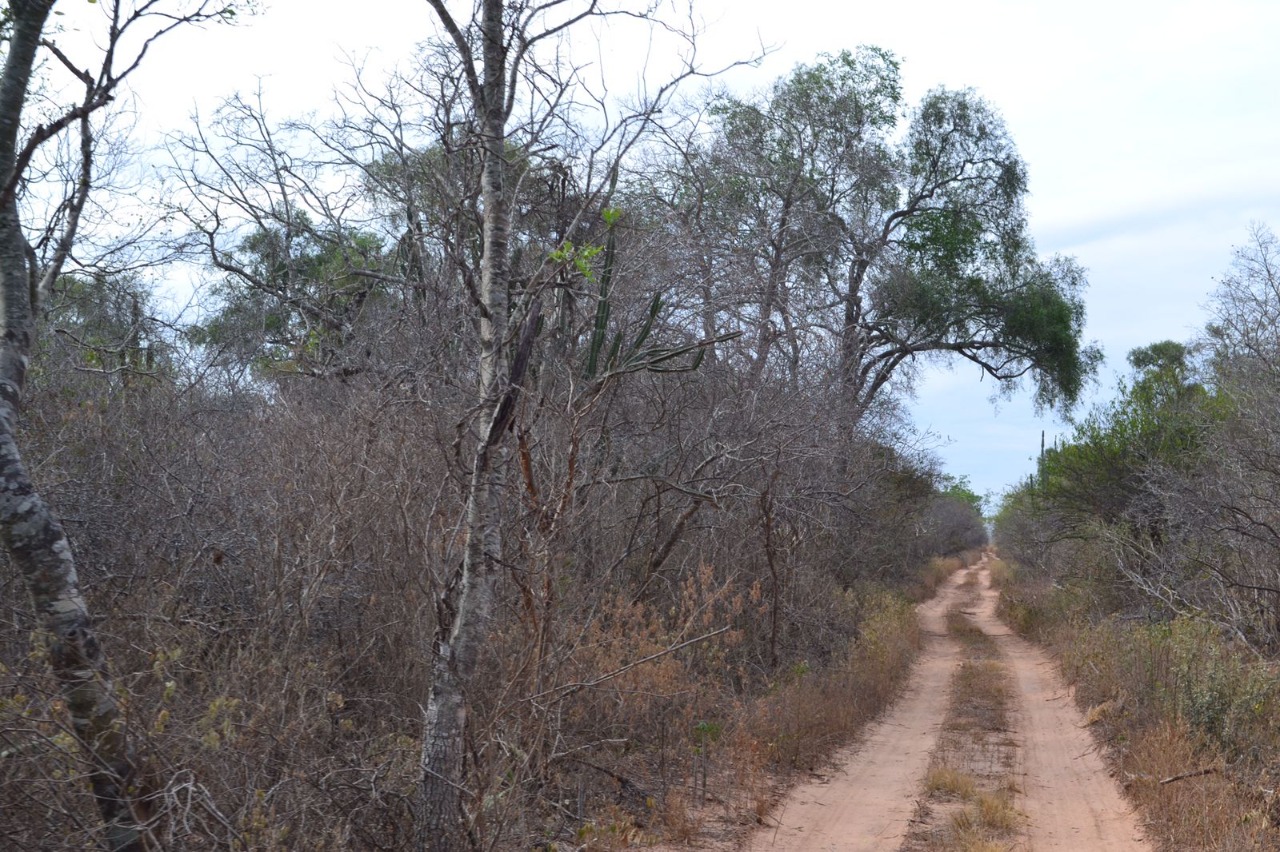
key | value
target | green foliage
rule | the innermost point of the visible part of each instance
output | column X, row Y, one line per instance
column 820, row 112
column 628, row 353
column 1178, row 693
column 1158, row 419
column 958, row 488
column 1180, row 669
column 944, row 242
column 579, row 256
column 915, row 217
column 292, row 296
column 106, row 325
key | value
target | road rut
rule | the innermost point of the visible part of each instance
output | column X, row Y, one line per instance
column 1069, row 800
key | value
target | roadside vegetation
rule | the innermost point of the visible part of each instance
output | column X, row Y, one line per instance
column 1144, row 553
column 531, row 470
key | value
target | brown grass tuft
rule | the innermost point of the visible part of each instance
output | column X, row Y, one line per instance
column 950, row 782
column 1210, row 811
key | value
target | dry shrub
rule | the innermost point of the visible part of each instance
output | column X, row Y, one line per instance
column 1036, row 608
column 680, row 821
column 1001, row 573
column 611, row 830
column 1181, row 670
column 936, row 572
column 260, row 610
column 1181, row 699
column 1207, row 811
column 266, row 573
column 810, row 714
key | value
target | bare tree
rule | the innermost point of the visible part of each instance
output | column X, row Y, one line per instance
column 501, row 52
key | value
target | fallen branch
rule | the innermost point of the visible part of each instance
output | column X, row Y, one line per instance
column 1195, row 773
column 625, row 784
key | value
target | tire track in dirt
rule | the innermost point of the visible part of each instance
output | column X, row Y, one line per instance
column 1070, row 799
column 865, row 805
column 968, row 800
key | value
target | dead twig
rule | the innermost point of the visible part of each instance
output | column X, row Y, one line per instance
column 565, row 690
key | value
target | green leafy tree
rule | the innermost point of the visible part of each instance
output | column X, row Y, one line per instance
column 898, row 234
column 958, row 488
column 293, row 299
column 1158, row 420
column 108, row 325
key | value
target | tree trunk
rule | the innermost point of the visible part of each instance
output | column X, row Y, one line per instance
column 34, row 538
column 39, row 548
column 441, row 819
column 464, row 626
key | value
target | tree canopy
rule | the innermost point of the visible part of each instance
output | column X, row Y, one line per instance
column 888, row 234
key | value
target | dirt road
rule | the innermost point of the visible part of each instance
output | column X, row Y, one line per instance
column 1060, row 787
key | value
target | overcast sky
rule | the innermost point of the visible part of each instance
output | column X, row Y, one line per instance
column 1149, row 130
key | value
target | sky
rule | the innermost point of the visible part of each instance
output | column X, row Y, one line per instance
column 1151, row 132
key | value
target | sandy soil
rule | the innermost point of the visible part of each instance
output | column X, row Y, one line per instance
column 1068, row 795
column 1069, row 800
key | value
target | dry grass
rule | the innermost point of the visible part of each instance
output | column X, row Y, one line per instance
column 810, row 714
column 962, row 627
column 974, row 760
column 680, row 822
column 1102, row 712
column 1216, row 810
column 936, row 572
column 980, row 689
column 980, row 697
column 1001, row 573
column 996, row 811
column 984, row 825
column 973, row 841
column 799, row 725
column 988, row 819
